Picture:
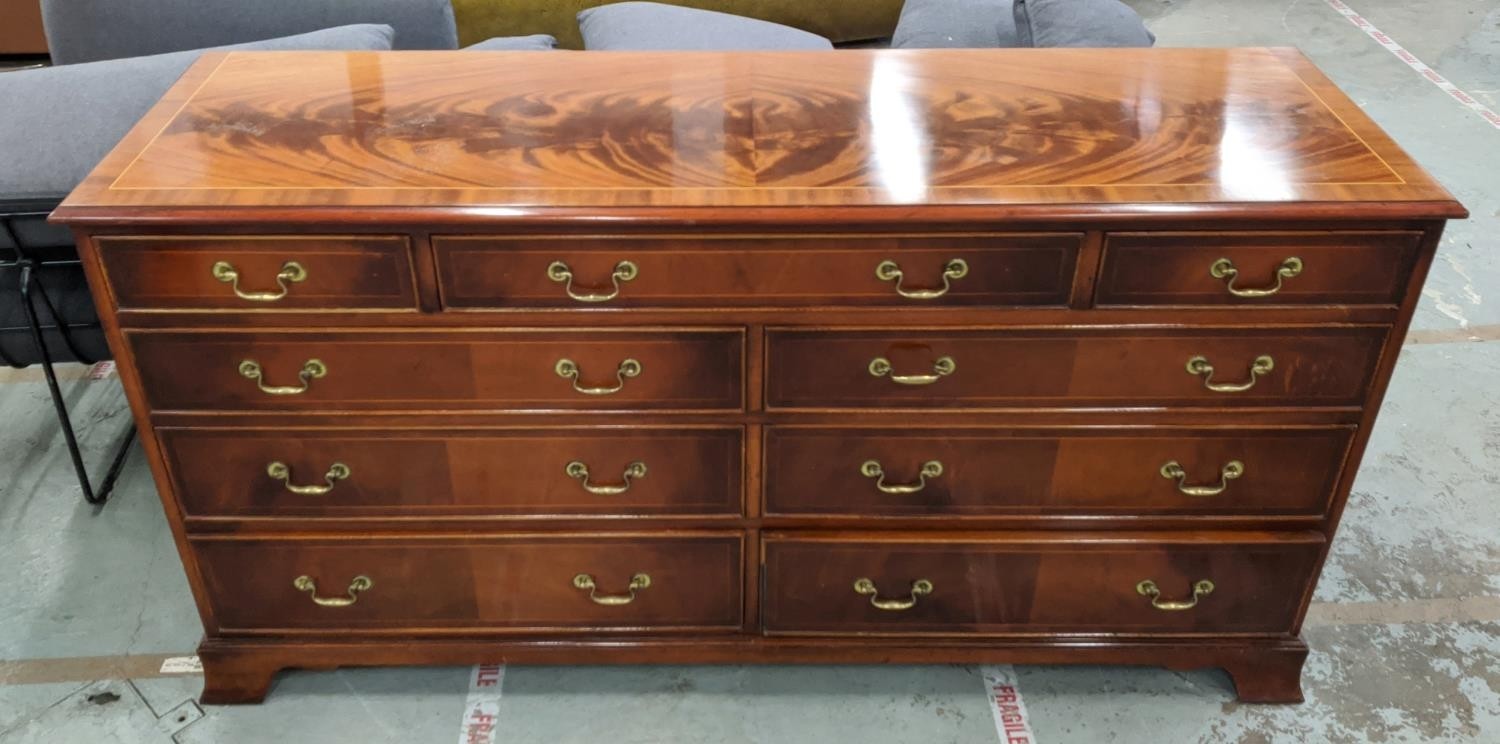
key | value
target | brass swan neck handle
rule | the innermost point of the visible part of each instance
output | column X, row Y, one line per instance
column 624, row 271
column 919, row 588
column 568, row 370
column 1224, row 269
column 1173, row 470
column 280, row 471
column 873, row 469
column 890, row 271
column 944, row 366
column 585, row 582
column 291, row 271
column 576, row 469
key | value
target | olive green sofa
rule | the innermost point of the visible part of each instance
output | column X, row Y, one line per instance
column 838, row 20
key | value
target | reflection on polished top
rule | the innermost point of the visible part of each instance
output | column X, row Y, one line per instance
column 848, row 128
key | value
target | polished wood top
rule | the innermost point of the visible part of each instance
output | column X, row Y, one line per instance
column 518, row 133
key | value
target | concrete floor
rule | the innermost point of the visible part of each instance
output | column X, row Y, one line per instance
column 1405, row 630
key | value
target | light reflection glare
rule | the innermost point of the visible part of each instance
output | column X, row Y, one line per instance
column 1245, row 169
column 899, row 146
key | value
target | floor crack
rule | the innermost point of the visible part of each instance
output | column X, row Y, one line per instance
column 140, row 619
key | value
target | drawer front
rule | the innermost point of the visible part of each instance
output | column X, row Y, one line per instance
column 502, row 583
column 507, row 370
column 971, row 472
column 1038, row 583
column 323, row 272
column 1250, row 269
column 483, row 272
column 1071, row 368
column 530, row 473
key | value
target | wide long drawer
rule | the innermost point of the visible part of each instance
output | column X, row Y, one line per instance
column 945, row 473
column 498, row 272
column 490, row 583
column 531, row 473
column 399, row 369
column 1023, row 583
column 1064, row 367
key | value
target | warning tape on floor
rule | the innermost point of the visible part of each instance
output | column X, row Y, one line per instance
column 482, row 708
column 1411, row 61
column 1011, row 722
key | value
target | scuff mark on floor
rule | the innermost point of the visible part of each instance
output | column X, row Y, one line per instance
column 1445, row 307
column 1469, row 292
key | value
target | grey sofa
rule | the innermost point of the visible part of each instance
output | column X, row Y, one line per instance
column 92, row 30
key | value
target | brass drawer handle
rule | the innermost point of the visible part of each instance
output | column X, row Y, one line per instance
column 1199, row 366
column 291, row 271
column 624, row 271
column 1148, row 588
column 872, row 469
column 638, row 582
column 336, row 472
column 1224, row 269
column 568, row 370
column 944, row 366
column 576, row 469
column 311, row 370
column 919, row 588
column 890, row 271
column 1174, row 471
column 359, row 584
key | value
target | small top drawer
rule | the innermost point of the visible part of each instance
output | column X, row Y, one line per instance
column 499, row 272
column 1249, row 269
column 259, row 272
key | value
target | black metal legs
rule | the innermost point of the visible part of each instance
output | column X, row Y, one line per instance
column 100, row 496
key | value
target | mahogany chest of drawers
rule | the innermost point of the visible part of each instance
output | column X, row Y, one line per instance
column 848, row 357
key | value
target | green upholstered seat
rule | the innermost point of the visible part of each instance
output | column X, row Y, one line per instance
column 837, row 20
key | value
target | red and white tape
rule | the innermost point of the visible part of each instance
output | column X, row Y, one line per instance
column 1011, row 722
column 482, row 708
column 1411, row 61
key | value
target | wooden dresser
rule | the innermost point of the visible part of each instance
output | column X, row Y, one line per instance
column 1030, row 356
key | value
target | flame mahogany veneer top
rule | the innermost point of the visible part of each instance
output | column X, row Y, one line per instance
column 497, row 134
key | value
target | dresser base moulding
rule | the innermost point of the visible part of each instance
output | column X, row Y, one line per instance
column 1263, row 670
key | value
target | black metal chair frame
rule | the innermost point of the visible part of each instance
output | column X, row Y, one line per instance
column 31, row 290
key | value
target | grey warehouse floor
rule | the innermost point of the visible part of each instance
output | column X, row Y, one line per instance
column 1405, row 629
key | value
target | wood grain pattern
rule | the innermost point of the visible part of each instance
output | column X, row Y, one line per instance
column 502, row 272
column 497, row 370
column 874, row 128
column 1063, row 368
column 162, row 272
column 815, row 471
column 1343, row 268
column 459, row 474
column 503, row 583
column 1061, row 583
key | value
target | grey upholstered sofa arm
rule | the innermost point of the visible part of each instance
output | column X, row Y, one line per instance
column 89, row 30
